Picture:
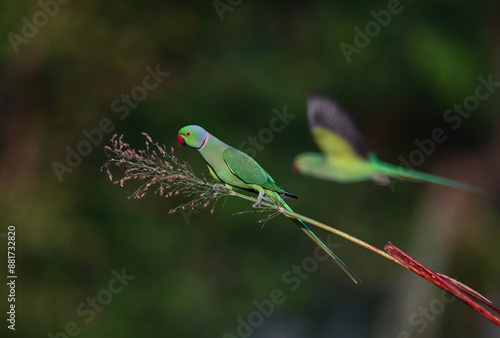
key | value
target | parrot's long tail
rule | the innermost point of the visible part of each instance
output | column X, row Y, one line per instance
column 405, row 173
column 315, row 238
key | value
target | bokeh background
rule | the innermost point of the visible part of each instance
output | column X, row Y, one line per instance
column 230, row 69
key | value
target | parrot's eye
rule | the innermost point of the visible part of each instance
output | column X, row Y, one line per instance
column 188, row 133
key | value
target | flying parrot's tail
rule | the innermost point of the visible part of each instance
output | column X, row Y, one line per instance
column 405, row 173
column 315, row 238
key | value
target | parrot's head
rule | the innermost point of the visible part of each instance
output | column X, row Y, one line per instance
column 307, row 163
column 193, row 136
column 298, row 163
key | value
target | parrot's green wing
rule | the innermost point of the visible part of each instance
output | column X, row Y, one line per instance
column 333, row 130
column 249, row 171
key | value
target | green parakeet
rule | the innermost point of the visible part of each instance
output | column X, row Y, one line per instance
column 237, row 169
column 345, row 156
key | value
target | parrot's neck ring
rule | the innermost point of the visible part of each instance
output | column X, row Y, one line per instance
column 204, row 141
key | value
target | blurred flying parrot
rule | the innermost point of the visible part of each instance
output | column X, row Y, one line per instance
column 345, row 156
column 237, row 169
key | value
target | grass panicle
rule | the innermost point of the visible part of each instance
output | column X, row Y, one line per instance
column 155, row 166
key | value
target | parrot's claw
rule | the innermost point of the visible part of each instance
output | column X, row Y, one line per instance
column 259, row 200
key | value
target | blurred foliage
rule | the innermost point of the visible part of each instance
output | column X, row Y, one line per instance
column 196, row 278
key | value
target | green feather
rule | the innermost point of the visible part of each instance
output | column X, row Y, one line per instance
column 249, row 171
column 405, row 173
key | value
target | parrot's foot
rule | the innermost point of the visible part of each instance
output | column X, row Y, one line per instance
column 380, row 179
column 259, row 200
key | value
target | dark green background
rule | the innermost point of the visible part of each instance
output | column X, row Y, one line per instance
column 195, row 279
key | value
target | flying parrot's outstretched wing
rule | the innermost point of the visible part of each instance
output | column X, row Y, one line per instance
column 333, row 130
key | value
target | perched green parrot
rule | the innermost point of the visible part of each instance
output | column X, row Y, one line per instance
column 237, row 169
column 345, row 156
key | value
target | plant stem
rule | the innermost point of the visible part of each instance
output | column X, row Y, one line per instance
column 333, row 230
column 459, row 290
column 341, row 234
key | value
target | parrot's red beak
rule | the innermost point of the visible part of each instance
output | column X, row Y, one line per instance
column 295, row 167
column 181, row 141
